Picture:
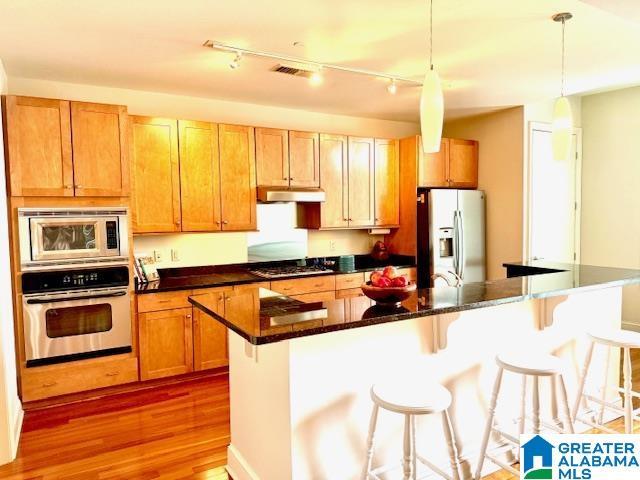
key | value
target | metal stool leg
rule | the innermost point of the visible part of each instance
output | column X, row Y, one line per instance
column 489, row 426
column 451, row 445
column 370, row 441
column 583, row 379
column 568, row 420
column 628, row 398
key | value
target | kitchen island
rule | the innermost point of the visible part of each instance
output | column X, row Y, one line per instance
column 300, row 373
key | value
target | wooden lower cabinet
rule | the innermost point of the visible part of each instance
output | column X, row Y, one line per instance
column 210, row 336
column 50, row 381
column 166, row 343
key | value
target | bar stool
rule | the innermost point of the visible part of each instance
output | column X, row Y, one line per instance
column 411, row 400
column 535, row 365
column 616, row 338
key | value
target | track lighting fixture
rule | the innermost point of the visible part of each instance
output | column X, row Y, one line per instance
column 392, row 88
column 235, row 63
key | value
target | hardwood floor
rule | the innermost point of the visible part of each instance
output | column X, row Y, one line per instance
column 178, row 431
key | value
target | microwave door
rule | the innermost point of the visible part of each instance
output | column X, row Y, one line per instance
column 442, row 249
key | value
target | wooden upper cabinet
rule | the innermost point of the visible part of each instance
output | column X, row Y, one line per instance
column 38, row 140
column 166, row 343
column 361, row 181
column 100, row 152
column 237, row 177
column 272, row 157
column 334, row 176
column 387, row 187
column 155, row 199
column 199, row 176
column 209, row 335
column 434, row 167
column 304, row 159
column 463, row 163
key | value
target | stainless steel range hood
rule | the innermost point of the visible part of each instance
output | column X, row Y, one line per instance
column 290, row 194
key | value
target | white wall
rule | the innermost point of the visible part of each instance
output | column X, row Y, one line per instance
column 10, row 407
column 611, row 186
column 202, row 249
column 500, row 176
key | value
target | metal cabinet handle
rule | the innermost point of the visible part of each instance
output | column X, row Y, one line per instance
column 225, row 222
column 68, row 187
column 79, row 186
column 228, row 298
column 188, row 315
column 49, row 384
column 290, row 178
column 217, row 222
column 112, row 374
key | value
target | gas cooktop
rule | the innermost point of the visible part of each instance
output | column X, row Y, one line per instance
column 289, row 271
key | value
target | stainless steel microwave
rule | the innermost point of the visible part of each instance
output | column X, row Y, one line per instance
column 70, row 237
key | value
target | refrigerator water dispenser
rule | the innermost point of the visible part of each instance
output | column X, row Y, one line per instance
column 446, row 242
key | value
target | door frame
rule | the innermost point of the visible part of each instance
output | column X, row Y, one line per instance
column 527, row 201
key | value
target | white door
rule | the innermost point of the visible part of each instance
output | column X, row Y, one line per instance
column 554, row 199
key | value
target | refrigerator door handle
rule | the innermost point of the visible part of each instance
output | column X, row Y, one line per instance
column 456, row 246
column 461, row 255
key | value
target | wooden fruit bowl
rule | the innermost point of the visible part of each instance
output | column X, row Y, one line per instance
column 389, row 295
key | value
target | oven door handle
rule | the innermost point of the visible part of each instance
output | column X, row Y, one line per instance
column 33, row 301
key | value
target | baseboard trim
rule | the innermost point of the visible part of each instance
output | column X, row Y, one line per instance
column 17, row 431
column 238, row 467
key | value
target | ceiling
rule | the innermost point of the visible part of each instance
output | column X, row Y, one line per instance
column 490, row 54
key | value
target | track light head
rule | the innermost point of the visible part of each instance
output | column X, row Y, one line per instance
column 316, row 78
column 392, row 88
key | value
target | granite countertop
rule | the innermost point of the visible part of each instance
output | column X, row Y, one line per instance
column 187, row 278
column 261, row 325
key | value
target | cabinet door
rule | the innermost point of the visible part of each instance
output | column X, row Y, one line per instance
column 334, row 181
column 361, row 182
column 272, row 157
column 199, row 176
column 38, row 146
column 209, row 335
column 166, row 343
column 237, row 177
column 387, row 189
column 100, row 152
column 155, row 198
column 433, row 167
column 304, row 159
column 463, row 163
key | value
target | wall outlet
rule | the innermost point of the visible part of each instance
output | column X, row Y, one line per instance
column 175, row 256
column 332, row 245
column 158, row 256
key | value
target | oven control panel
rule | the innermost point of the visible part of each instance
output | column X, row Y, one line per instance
column 61, row 280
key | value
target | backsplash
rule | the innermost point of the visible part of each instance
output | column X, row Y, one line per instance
column 195, row 249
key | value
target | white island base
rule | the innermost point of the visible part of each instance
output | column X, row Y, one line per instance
column 300, row 408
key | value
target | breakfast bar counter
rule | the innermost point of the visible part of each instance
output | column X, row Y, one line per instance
column 300, row 373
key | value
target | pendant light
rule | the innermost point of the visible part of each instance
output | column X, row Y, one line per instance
column 562, row 123
column 431, row 101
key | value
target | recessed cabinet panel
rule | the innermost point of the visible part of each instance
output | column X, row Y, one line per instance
column 155, row 175
column 38, row 139
column 361, row 182
column 100, row 156
column 387, row 197
column 334, row 181
column 463, row 163
column 237, row 177
column 304, row 159
column 272, row 157
column 199, row 176
column 434, row 167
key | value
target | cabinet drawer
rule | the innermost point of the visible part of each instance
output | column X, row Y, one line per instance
column 350, row 280
column 298, row 286
column 44, row 382
column 315, row 297
column 151, row 302
column 349, row 293
column 245, row 286
column 410, row 272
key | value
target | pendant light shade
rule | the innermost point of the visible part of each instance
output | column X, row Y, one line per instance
column 561, row 129
column 431, row 112
column 562, row 122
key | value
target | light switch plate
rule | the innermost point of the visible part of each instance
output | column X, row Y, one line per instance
column 157, row 256
column 174, row 255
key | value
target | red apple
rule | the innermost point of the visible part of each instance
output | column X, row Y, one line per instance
column 383, row 282
column 375, row 276
column 400, row 281
column 390, row 272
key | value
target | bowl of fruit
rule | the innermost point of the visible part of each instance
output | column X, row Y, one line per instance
column 387, row 287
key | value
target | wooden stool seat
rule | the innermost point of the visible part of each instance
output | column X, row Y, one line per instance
column 616, row 338
column 411, row 398
column 524, row 363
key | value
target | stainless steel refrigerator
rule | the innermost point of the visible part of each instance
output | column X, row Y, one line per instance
column 451, row 237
